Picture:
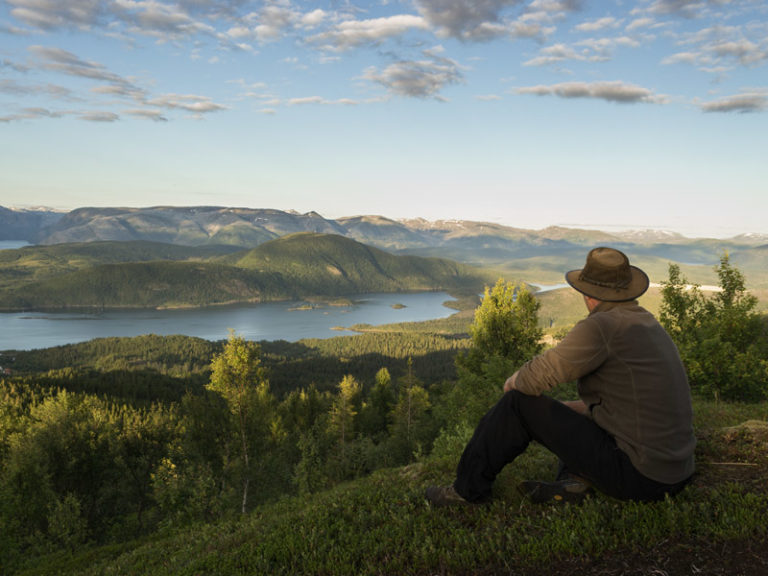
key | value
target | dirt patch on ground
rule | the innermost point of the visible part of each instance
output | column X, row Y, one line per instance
column 740, row 558
column 738, row 454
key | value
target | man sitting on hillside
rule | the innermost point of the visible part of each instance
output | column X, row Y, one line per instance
column 630, row 435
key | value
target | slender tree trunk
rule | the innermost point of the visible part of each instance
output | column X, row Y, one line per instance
column 246, row 481
column 246, row 464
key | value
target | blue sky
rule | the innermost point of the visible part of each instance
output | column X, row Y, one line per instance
column 612, row 115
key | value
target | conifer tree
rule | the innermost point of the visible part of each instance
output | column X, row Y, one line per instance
column 374, row 415
column 344, row 410
column 410, row 417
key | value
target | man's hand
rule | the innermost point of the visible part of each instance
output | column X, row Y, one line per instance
column 577, row 406
column 510, row 383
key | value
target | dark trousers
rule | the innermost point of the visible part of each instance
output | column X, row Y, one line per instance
column 583, row 447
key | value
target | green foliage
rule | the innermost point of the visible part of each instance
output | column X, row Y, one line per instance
column 381, row 524
column 344, row 409
column 411, row 428
column 171, row 355
column 36, row 263
column 67, row 527
column 85, row 462
column 505, row 326
column 309, row 472
column 239, row 378
column 722, row 339
column 505, row 334
column 375, row 412
column 75, row 468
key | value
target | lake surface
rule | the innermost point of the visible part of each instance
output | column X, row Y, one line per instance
column 548, row 287
column 271, row 321
column 13, row 244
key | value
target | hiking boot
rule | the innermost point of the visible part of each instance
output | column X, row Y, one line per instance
column 444, row 496
column 570, row 490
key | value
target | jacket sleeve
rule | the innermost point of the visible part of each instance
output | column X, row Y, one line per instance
column 582, row 351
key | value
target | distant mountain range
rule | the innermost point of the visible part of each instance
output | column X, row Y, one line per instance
column 479, row 243
column 248, row 227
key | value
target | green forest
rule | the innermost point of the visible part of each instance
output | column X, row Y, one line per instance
column 176, row 455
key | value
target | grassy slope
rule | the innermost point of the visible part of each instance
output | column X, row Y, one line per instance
column 383, row 525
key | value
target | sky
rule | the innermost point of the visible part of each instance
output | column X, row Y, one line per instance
column 528, row 113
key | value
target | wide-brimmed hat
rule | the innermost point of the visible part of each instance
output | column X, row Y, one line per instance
column 608, row 276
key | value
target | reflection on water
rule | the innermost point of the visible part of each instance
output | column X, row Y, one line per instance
column 273, row 321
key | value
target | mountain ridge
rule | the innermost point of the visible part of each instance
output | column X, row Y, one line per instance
column 85, row 224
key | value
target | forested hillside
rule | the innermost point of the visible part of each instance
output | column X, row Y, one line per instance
column 151, row 275
column 32, row 264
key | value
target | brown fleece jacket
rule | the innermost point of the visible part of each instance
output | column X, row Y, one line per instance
column 631, row 377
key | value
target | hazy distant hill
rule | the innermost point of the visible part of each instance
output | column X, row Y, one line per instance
column 188, row 226
column 104, row 275
column 26, row 224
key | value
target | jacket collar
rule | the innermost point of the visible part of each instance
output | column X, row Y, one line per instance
column 605, row 306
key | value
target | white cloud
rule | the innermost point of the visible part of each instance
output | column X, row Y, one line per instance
column 682, row 58
column 554, row 54
column 638, row 23
column 65, row 62
column 597, row 25
column 466, row 19
column 305, row 100
column 188, row 102
column 114, row 85
column 10, row 65
column 417, row 78
column 352, row 33
column 591, row 50
column 619, row 92
column 684, row 8
column 160, row 20
column 314, row 18
column 124, row 91
column 238, row 32
column 99, row 116
column 524, row 29
column 742, row 103
column 273, row 21
column 156, row 115
column 32, row 113
column 555, row 6
column 746, row 52
column 716, row 47
column 51, row 14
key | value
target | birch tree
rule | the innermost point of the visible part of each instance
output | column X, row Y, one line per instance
column 238, row 376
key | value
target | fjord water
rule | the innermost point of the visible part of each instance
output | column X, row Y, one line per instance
column 290, row 321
